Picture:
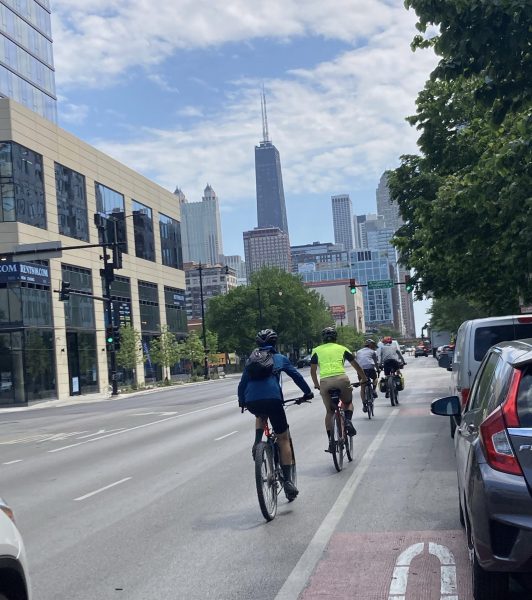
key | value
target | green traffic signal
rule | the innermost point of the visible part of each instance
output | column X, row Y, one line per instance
column 409, row 288
column 353, row 290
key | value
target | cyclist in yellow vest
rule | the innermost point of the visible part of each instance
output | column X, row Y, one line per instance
column 330, row 357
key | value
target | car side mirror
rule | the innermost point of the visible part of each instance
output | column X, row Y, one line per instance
column 446, row 407
column 444, row 361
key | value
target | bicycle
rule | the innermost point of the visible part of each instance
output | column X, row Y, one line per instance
column 341, row 442
column 269, row 477
column 369, row 401
column 392, row 387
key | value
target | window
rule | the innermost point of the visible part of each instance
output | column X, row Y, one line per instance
column 524, row 398
column 149, row 307
column 71, row 203
column 143, row 226
column 21, row 185
column 111, row 204
column 481, row 391
column 171, row 250
column 176, row 314
column 79, row 311
column 485, row 337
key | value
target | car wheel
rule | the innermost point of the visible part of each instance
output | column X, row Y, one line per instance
column 488, row 585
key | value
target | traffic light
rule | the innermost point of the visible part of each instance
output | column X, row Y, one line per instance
column 109, row 335
column 353, row 286
column 409, row 284
column 64, row 294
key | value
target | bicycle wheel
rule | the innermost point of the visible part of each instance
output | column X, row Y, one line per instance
column 294, row 471
column 266, row 480
column 368, row 399
column 338, row 439
column 348, row 446
column 392, row 391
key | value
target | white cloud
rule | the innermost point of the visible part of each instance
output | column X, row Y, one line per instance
column 337, row 126
column 161, row 82
column 73, row 114
column 98, row 40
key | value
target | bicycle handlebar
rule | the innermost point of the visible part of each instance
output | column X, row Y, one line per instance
column 297, row 401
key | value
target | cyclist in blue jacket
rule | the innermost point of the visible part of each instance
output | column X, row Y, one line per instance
column 263, row 398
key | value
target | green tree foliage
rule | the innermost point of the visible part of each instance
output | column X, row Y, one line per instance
column 466, row 200
column 130, row 352
column 296, row 313
column 165, row 350
column 192, row 349
column 349, row 337
column 447, row 314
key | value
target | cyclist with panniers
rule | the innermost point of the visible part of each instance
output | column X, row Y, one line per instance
column 390, row 357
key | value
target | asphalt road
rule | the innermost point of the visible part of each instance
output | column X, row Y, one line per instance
column 153, row 497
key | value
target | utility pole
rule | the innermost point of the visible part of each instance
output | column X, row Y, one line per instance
column 204, row 330
column 260, row 308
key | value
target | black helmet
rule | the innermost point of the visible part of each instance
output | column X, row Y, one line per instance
column 329, row 334
column 266, row 337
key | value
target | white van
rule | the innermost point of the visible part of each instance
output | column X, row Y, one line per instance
column 473, row 340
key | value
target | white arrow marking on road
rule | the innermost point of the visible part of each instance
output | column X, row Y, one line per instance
column 83, row 437
column 101, row 489
column 12, row 462
column 448, row 588
column 224, row 436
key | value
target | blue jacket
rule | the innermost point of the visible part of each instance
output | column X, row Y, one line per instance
column 250, row 390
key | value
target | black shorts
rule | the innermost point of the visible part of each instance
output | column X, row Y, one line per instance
column 390, row 366
column 371, row 373
column 273, row 409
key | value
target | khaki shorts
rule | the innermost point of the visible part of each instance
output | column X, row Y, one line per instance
column 340, row 382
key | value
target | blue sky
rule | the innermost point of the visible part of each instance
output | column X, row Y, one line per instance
column 174, row 93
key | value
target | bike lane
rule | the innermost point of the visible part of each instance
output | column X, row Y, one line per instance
column 398, row 536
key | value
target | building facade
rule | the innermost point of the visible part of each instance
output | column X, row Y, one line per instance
column 266, row 247
column 271, row 207
column 345, row 308
column 317, row 254
column 342, row 210
column 27, row 72
column 385, row 207
column 52, row 185
column 202, row 230
column 235, row 262
column 216, row 280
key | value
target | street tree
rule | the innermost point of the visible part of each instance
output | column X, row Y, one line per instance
column 447, row 314
column 130, row 352
column 165, row 351
column 349, row 337
column 466, row 199
column 286, row 305
column 192, row 350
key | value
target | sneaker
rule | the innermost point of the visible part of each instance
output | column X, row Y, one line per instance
column 290, row 490
column 387, row 395
column 364, row 407
column 350, row 428
column 331, row 447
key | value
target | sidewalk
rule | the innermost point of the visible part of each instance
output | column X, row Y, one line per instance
column 101, row 397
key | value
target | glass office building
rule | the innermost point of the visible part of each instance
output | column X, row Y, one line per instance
column 27, row 72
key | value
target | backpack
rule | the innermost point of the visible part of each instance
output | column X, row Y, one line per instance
column 259, row 365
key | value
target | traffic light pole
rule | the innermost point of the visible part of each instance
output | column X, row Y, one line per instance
column 110, row 321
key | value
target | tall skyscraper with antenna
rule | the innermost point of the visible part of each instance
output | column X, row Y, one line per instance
column 271, row 208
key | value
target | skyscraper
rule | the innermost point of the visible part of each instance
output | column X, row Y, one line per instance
column 342, row 210
column 201, row 229
column 27, row 72
column 385, row 207
column 271, row 208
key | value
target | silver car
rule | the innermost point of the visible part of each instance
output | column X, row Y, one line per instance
column 493, row 445
column 14, row 580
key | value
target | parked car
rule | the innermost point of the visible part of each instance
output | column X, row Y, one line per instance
column 473, row 340
column 441, row 350
column 14, row 580
column 493, row 446
column 304, row 361
column 420, row 351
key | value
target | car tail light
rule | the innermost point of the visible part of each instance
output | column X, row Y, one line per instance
column 464, row 395
column 509, row 406
column 524, row 319
column 494, row 438
column 7, row 510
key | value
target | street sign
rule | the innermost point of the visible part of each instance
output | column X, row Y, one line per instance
column 380, row 284
column 526, row 309
column 337, row 311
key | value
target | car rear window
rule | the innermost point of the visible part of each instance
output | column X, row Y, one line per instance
column 524, row 398
column 485, row 337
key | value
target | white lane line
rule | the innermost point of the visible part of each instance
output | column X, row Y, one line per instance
column 111, row 485
column 101, row 437
column 12, row 462
column 84, row 437
column 304, row 568
column 225, row 436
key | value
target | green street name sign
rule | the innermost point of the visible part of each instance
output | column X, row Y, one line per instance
column 380, row 284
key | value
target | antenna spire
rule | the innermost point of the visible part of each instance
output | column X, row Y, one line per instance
column 265, row 134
